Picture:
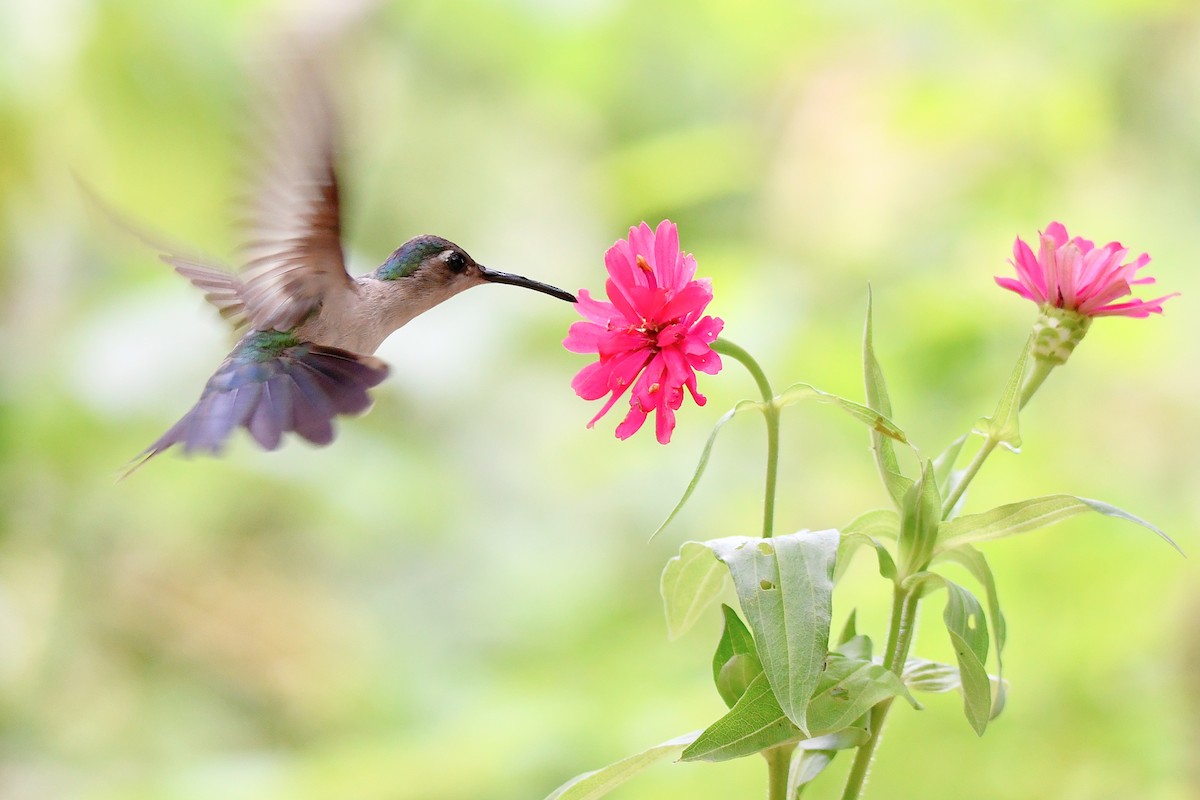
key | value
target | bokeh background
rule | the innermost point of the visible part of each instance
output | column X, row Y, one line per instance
column 457, row 600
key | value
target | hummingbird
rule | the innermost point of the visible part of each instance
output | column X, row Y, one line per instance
column 310, row 329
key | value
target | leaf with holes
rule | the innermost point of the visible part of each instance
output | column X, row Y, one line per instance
column 785, row 587
column 968, row 633
column 973, row 561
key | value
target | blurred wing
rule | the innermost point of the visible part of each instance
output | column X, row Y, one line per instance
column 220, row 288
column 294, row 256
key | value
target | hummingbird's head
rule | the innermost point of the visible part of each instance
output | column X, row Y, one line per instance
column 437, row 267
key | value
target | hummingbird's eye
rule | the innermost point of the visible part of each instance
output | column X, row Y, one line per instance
column 456, row 261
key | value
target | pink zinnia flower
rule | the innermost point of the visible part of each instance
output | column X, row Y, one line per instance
column 1074, row 275
column 650, row 336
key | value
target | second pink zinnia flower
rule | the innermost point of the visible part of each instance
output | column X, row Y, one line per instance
column 650, row 336
column 1075, row 275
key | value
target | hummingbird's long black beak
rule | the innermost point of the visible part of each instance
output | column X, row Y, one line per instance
column 494, row 276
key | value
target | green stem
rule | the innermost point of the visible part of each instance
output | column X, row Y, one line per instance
column 900, row 638
column 989, row 444
column 728, row 348
column 1041, row 371
column 771, row 412
column 779, row 760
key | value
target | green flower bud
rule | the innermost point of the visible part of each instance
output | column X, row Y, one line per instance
column 1056, row 333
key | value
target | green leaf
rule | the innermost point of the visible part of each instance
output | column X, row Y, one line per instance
column 847, row 690
column 849, row 687
column 755, row 723
column 881, row 523
column 877, row 398
column 974, row 562
column 849, row 544
column 805, row 766
column 968, row 633
column 785, row 586
column 712, row 438
column 879, row 424
column 595, row 784
column 812, row 756
column 943, row 471
column 1028, row 515
column 857, row 647
column 919, row 527
column 921, row 675
column 850, row 629
column 735, row 664
column 690, row 582
column 1004, row 426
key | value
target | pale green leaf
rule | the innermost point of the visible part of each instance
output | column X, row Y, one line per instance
column 804, row 767
column 812, row 756
column 849, row 545
column 932, row 677
column 882, row 523
column 596, row 784
column 704, row 455
column 1028, row 515
column 785, row 587
column 690, row 582
column 1004, row 426
column 877, row 398
column 922, row 515
column 879, row 424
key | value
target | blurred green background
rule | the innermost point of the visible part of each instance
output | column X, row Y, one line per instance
column 457, row 599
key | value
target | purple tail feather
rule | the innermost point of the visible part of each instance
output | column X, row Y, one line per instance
column 300, row 389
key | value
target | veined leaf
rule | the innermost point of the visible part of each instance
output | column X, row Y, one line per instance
column 847, row 690
column 968, row 633
column 755, row 723
column 879, row 423
column 919, row 526
column 690, row 582
column 849, row 687
column 735, row 663
column 785, row 586
column 881, row 523
column 708, row 446
column 922, row 675
column 1028, row 515
column 877, row 399
column 596, row 784
column 974, row 562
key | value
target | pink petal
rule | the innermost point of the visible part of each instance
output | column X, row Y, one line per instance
column 1029, row 270
column 666, row 254
column 1057, row 234
column 1016, row 286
